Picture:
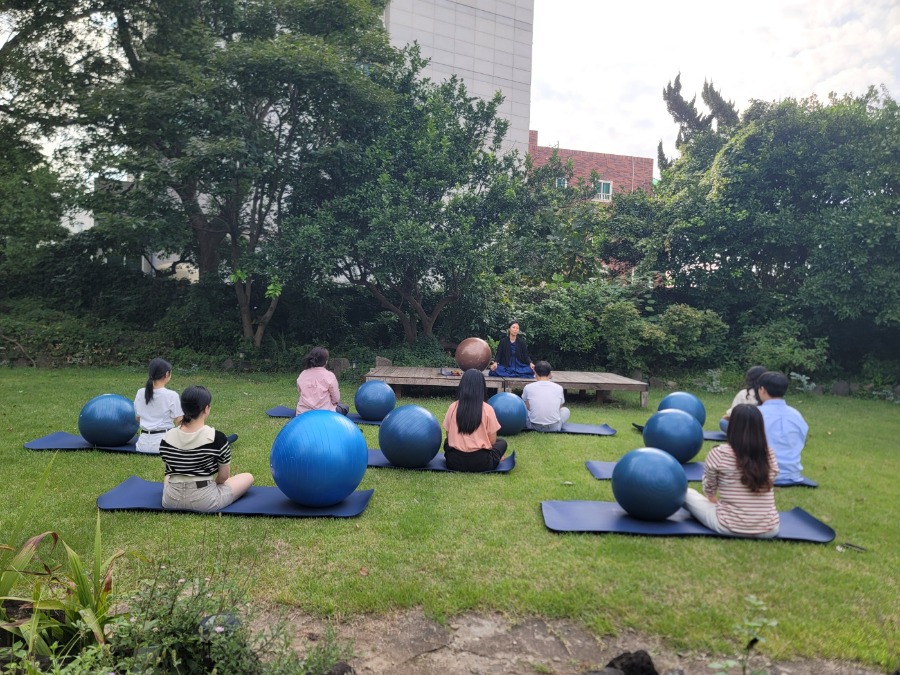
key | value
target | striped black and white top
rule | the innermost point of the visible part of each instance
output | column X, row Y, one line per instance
column 199, row 453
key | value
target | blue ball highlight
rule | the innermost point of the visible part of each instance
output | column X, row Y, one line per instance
column 649, row 484
column 374, row 400
column 682, row 400
column 410, row 436
column 319, row 458
column 510, row 411
column 676, row 432
column 107, row 420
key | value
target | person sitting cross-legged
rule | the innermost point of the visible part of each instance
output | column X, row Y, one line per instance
column 737, row 481
column 786, row 430
column 544, row 401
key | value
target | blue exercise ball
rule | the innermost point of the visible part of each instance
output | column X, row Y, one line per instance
column 319, row 458
column 682, row 400
column 511, row 412
column 107, row 420
column 374, row 400
column 410, row 436
column 649, row 484
column 676, row 432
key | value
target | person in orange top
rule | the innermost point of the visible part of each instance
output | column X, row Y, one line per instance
column 471, row 424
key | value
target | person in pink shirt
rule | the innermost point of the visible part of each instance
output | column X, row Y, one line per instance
column 317, row 386
column 471, row 424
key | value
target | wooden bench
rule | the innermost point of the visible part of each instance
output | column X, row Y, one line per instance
column 600, row 383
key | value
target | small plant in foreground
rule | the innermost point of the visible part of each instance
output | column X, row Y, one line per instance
column 750, row 630
column 187, row 622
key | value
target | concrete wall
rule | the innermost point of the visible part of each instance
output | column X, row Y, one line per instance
column 486, row 43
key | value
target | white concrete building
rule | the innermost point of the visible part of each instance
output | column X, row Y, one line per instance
column 486, row 43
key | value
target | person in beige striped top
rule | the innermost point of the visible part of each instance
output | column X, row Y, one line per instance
column 738, row 481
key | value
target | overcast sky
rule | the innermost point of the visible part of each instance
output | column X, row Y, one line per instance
column 599, row 67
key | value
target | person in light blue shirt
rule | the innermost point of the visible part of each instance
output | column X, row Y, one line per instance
column 786, row 429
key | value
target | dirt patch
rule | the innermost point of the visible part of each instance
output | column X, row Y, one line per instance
column 408, row 643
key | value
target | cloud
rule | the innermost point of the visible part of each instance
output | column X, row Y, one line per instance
column 599, row 68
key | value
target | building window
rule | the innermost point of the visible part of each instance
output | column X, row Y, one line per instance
column 561, row 182
column 603, row 191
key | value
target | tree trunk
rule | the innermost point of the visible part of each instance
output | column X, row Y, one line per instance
column 409, row 327
column 208, row 251
column 242, row 291
column 263, row 322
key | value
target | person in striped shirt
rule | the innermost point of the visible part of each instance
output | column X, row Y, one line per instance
column 197, row 460
column 738, row 481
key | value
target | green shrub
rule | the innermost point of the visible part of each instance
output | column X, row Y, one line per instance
column 694, row 337
column 204, row 318
column 880, row 372
column 51, row 337
column 630, row 339
column 781, row 345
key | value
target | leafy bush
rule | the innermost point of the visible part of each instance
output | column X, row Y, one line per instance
column 204, row 318
column 51, row 337
column 631, row 340
column 693, row 336
column 184, row 621
column 781, row 345
column 423, row 352
column 881, row 372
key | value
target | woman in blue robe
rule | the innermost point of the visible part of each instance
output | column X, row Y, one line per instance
column 512, row 356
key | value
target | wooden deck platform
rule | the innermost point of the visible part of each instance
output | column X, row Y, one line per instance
column 600, row 383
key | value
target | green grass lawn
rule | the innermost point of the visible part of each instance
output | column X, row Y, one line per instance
column 451, row 543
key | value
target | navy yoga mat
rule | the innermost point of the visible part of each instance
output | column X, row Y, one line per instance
column 586, row 429
column 707, row 435
column 61, row 440
column 137, row 494
column 572, row 428
column 693, row 471
column 378, row 460
column 281, row 411
column 608, row 517
column 284, row 411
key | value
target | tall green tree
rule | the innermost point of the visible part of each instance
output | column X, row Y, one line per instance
column 693, row 124
column 215, row 113
column 32, row 199
column 795, row 214
column 420, row 220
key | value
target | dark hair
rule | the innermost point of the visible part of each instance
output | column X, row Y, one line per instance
column 751, row 378
column 471, row 399
column 776, row 384
column 157, row 370
column 542, row 368
column 747, row 437
column 317, row 357
column 193, row 400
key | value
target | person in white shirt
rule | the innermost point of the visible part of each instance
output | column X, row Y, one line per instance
column 746, row 396
column 156, row 408
column 545, row 401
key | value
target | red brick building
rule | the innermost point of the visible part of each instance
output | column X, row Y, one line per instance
column 617, row 173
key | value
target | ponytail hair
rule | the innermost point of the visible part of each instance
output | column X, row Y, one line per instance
column 157, row 371
column 747, row 437
column 194, row 400
column 317, row 357
column 752, row 378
